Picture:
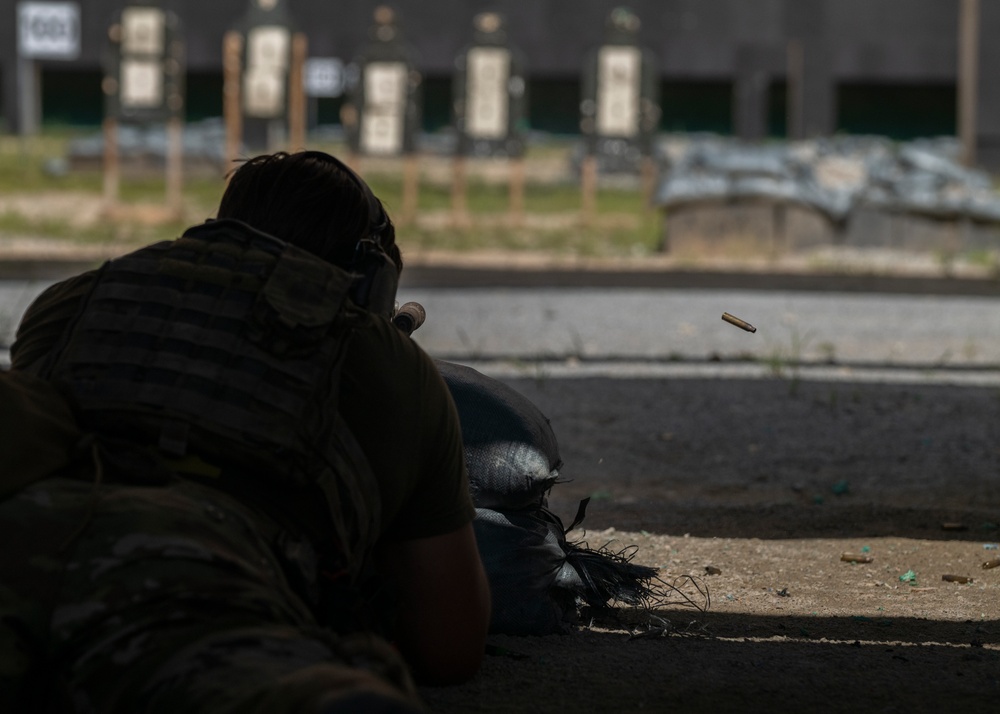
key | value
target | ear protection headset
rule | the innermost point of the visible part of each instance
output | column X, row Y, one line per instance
column 378, row 277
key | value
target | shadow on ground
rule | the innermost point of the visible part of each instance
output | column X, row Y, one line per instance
column 743, row 664
column 770, row 458
column 771, row 482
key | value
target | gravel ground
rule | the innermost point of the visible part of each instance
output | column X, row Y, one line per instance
column 769, row 482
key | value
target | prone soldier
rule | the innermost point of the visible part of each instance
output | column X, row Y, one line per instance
column 244, row 488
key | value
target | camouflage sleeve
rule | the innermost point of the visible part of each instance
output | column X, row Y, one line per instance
column 37, row 431
column 46, row 319
column 172, row 599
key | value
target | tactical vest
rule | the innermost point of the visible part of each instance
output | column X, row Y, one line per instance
column 226, row 344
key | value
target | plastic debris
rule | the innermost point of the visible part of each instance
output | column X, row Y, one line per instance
column 990, row 546
column 908, row 577
column 840, row 488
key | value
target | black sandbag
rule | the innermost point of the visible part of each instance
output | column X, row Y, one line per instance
column 537, row 578
column 532, row 584
column 510, row 447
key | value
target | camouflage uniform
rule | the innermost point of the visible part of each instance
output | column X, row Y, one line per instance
column 168, row 598
column 137, row 577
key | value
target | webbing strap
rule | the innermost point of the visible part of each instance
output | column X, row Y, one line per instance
column 227, row 344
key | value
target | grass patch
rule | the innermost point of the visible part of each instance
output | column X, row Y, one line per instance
column 19, row 224
column 553, row 222
column 23, row 160
column 566, row 236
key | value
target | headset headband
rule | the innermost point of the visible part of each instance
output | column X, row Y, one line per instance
column 378, row 275
column 377, row 220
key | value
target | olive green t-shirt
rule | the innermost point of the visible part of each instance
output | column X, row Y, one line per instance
column 392, row 398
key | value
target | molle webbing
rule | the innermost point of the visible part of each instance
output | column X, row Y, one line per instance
column 228, row 347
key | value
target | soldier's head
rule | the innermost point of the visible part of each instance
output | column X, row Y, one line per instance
column 312, row 200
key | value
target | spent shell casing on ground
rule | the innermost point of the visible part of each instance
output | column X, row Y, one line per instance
column 742, row 324
column 991, row 564
column 956, row 579
column 856, row 558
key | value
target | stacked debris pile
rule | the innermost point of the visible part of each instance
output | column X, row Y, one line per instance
column 922, row 179
column 868, row 191
column 716, row 172
column 834, row 176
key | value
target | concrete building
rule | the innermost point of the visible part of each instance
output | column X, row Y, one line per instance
column 752, row 68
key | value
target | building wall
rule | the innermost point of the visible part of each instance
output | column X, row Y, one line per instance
column 703, row 44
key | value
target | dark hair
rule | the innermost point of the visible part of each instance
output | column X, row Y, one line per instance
column 308, row 200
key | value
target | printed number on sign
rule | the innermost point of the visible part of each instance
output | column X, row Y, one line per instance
column 49, row 30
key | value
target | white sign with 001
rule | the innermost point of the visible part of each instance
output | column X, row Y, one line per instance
column 48, row 30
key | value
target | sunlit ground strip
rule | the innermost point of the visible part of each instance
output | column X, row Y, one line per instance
column 568, row 369
column 662, row 370
column 778, row 639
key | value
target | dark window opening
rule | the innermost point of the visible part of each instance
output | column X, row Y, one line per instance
column 554, row 105
column 689, row 106
column 71, row 98
column 900, row 112
column 436, row 113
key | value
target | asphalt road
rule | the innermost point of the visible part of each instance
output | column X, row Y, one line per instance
column 609, row 329
column 659, row 324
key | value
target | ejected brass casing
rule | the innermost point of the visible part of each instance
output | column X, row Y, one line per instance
column 742, row 324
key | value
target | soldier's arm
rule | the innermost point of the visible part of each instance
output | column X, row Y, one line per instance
column 444, row 604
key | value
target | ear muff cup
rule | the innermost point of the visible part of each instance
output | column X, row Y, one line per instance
column 375, row 289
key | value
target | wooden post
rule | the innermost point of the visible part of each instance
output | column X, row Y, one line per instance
column 175, row 166
column 297, row 94
column 588, row 187
column 795, row 124
column 232, row 48
column 779, row 234
column 648, row 182
column 459, row 206
column 968, row 78
column 516, row 203
column 411, row 187
column 112, row 169
column 355, row 162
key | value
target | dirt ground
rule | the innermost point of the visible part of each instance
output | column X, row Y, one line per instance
column 770, row 482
